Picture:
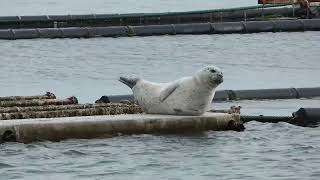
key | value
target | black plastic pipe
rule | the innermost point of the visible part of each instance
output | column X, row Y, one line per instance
column 96, row 20
column 265, row 119
column 306, row 117
column 153, row 30
column 229, row 95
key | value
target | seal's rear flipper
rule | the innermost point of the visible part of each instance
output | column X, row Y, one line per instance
column 131, row 82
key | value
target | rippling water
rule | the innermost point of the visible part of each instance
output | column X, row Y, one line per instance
column 89, row 68
column 45, row 7
column 263, row 151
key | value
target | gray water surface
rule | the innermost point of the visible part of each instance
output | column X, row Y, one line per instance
column 263, row 151
column 47, row 7
column 89, row 68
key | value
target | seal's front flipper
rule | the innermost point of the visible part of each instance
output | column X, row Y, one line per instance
column 131, row 82
column 166, row 92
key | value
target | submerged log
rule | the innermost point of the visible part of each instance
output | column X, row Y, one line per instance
column 39, row 102
column 48, row 95
column 83, row 111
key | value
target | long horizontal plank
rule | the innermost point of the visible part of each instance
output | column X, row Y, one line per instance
column 56, row 129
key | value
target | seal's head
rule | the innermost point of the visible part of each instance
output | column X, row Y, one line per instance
column 210, row 75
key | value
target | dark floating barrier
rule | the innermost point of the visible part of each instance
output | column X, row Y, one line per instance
column 115, row 99
column 102, row 20
column 284, row 93
column 230, row 95
column 265, row 119
column 305, row 117
column 173, row 29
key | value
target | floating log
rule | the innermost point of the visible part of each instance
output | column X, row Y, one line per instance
column 48, row 95
column 59, row 107
column 70, row 112
column 56, row 129
column 39, row 102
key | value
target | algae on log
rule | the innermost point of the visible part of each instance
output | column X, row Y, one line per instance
column 48, row 95
column 39, row 102
column 93, row 111
column 59, row 107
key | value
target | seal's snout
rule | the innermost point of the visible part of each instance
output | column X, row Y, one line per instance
column 218, row 78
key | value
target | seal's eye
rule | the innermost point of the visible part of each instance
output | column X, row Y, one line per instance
column 212, row 70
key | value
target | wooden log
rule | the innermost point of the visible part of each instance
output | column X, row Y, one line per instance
column 48, row 95
column 56, row 129
column 58, row 107
column 85, row 111
column 39, row 102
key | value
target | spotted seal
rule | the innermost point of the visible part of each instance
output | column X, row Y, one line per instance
column 186, row 96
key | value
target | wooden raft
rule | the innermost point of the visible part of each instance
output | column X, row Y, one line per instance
column 27, row 120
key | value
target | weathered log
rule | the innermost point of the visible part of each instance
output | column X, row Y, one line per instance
column 56, row 129
column 39, row 102
column 58, row 107
column 85, row 111
column 48, row 95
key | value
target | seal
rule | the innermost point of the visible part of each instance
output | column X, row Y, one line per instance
column 186, row 96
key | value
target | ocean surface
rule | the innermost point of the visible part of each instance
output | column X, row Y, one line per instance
column 89, row 68
column 47, row 7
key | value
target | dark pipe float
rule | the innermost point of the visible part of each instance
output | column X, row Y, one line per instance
column 280, row 93
column 195, row 28
column 306, row 117
column 227, row 95
column 56, row 129
column 99, row 20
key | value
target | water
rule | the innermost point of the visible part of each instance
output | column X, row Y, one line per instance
column 89, row 68
column 45, row 7
column 263, row 151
